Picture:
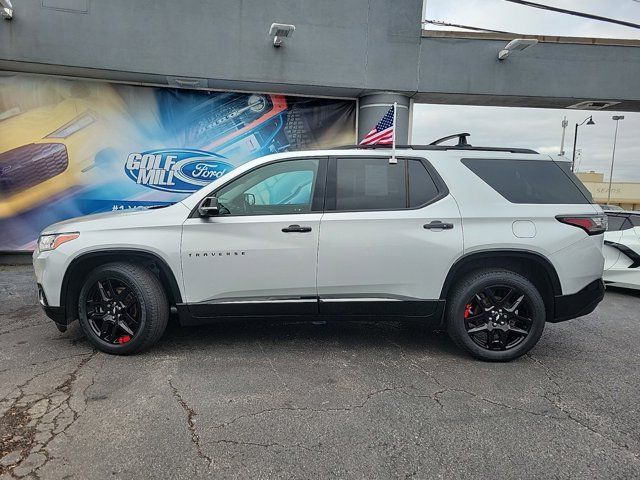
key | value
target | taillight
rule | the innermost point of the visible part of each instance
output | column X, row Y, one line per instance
column 592, row 224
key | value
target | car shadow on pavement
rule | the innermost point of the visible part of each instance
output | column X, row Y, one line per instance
column 407, row 336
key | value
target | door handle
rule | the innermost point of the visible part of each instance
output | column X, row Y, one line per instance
column 296, row 229
column 438, row 225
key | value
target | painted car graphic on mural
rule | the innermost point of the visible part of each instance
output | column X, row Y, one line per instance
column 45, row 150
column 238, row 126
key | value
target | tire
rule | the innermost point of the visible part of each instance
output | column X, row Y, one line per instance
column 495, row 333
column 119, row 296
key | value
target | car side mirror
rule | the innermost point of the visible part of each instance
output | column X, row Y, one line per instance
column 249, row 199
column 209, row 207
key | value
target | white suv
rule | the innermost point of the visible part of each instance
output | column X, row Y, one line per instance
column 488, row 243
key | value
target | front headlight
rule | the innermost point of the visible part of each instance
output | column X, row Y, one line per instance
column 53, row 241
column 73, row 126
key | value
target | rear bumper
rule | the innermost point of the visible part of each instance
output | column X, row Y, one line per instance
column 578, row 304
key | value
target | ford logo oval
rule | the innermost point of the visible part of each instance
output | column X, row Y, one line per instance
column 202, row 170
column 178, row 170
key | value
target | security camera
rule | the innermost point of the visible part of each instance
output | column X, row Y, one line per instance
column 280, row 31
column 6, row 9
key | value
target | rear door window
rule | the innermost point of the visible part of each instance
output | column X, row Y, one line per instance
column 370, row 184
column 362, row 184
column 530, row 181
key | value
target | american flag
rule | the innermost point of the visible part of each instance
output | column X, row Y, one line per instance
column 382, row 133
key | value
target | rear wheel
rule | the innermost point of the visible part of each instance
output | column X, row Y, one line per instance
column 495, row 315
column 122, row 308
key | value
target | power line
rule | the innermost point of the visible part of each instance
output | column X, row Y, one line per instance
column 478, row 29
column 577, row 14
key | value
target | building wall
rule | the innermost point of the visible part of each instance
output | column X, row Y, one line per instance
column 340, row 46
column 593, row 177
column 550, row 74
column 625, row 194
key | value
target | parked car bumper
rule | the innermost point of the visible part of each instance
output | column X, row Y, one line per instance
column 578, row 304
column 57, row 314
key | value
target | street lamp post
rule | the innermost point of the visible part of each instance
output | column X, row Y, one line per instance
column 565, row 124
column 589, row 121
column 617, row 119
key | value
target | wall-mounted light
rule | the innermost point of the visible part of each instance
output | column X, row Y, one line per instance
column 280, row 31
column 517, row 45
column 6, row 9
column 594, row 105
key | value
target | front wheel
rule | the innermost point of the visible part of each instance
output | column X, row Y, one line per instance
column 495, row 315
column 122, row 308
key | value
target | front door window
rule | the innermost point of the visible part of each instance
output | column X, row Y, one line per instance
column 278, row 188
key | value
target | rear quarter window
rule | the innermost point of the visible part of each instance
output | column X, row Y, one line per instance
column 530, row 181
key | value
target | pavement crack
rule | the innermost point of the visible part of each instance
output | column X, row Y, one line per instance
column 435, row 397
column 273, row 367
column 32, row 421
column 266, row 445
column 570, row 416
column 559, row 405
column 191, row 424
column 349, row 408
column 494, row 402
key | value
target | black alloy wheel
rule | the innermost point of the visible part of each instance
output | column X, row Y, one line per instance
column 498, row 318
column 113, row 311
column 495, row 314
column 122, row 308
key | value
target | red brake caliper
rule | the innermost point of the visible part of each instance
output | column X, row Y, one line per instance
column 124, row 339
column 467, row 311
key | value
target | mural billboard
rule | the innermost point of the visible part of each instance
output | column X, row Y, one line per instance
column 71, row 148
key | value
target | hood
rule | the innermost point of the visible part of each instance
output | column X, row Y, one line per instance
column 34, row 125
column 122, row 219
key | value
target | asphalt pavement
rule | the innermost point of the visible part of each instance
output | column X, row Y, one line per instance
column 273, row 399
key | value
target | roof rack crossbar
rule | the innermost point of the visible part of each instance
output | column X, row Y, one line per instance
column 462, row 139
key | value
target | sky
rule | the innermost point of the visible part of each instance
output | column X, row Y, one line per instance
column 535, row 128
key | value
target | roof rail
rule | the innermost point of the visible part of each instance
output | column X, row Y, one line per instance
column 438, row 148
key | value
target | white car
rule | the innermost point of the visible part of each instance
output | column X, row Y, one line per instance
column 489, row 243
column 622, row 250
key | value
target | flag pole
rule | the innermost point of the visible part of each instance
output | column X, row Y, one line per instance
column 393, row 158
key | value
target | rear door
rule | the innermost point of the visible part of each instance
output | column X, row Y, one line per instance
column 388, row 237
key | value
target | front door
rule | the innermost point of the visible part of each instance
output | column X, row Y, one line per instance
column 388, row 237
column 259, row 255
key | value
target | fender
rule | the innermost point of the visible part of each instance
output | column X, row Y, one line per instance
column 511, row 253
column 165, row 271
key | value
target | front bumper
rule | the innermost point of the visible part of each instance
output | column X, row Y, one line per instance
column 578, row 304
column 49, row 268
column 57, row 314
